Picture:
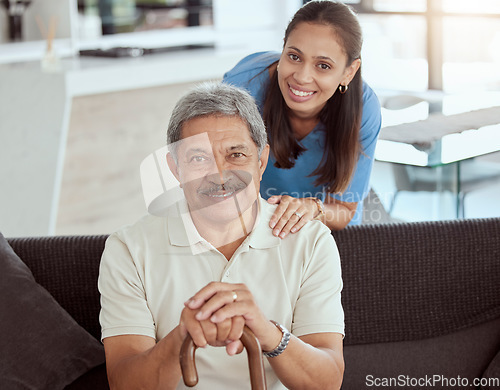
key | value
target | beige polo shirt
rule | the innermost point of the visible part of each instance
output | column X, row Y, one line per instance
column 149, row 269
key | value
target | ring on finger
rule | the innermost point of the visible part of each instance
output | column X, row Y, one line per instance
column 235, row 296
column 299, row 215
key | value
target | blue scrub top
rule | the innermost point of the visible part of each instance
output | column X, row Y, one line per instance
column 251, row 74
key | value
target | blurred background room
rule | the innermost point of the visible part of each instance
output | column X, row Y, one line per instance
column 87, row 87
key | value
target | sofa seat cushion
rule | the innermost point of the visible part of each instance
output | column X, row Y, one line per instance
column 465, row 354
column 491, row 377
column 95, row 379
column 42, row 346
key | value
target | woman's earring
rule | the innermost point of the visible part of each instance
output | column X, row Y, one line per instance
column 343, row 88
column 278, row 67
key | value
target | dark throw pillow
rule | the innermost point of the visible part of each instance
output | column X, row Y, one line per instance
column 41, row 346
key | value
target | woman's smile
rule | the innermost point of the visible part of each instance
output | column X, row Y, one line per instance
column 299, row 94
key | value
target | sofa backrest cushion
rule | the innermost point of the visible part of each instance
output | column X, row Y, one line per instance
column 414, row 281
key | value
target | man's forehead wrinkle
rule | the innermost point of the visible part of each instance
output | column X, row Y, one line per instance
column 221, row 140
column 238, row 146
column 235, row 136
column 224, row 134
column 198, row 149
column 197, row 142
column 196, row 139
column 218, row 145
column 227, row 140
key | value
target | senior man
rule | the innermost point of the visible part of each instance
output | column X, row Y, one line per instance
column 212, row 266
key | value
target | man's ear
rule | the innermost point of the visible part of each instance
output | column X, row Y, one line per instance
column 264, row 158
column 173, row 167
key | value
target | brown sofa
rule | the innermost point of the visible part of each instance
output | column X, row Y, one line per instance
column 421, row 301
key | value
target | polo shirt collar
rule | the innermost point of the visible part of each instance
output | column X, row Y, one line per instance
column 181, row 229
column 260, row 238
column 262, row 235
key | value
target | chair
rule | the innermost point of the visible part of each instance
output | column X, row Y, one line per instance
column 374, row 211
column 460, row 177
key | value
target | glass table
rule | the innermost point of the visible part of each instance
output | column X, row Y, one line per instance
column 439, row 153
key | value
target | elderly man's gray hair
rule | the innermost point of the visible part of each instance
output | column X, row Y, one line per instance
column 217, row 99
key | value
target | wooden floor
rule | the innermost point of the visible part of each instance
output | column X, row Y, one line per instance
column 109, row 136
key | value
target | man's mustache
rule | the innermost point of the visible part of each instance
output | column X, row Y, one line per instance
column 227, row 187
column 235, row 181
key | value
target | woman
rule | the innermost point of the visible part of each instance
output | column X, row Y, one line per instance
column 322, row 119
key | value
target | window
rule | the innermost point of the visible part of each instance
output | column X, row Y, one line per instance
column 471, row 53
column 394, row 51
column 449, row 45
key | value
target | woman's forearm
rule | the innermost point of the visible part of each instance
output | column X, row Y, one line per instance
column 338, row 214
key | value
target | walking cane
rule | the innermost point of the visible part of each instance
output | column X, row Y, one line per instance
column 255, row 361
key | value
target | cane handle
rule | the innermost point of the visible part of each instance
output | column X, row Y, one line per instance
column 255, row 360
